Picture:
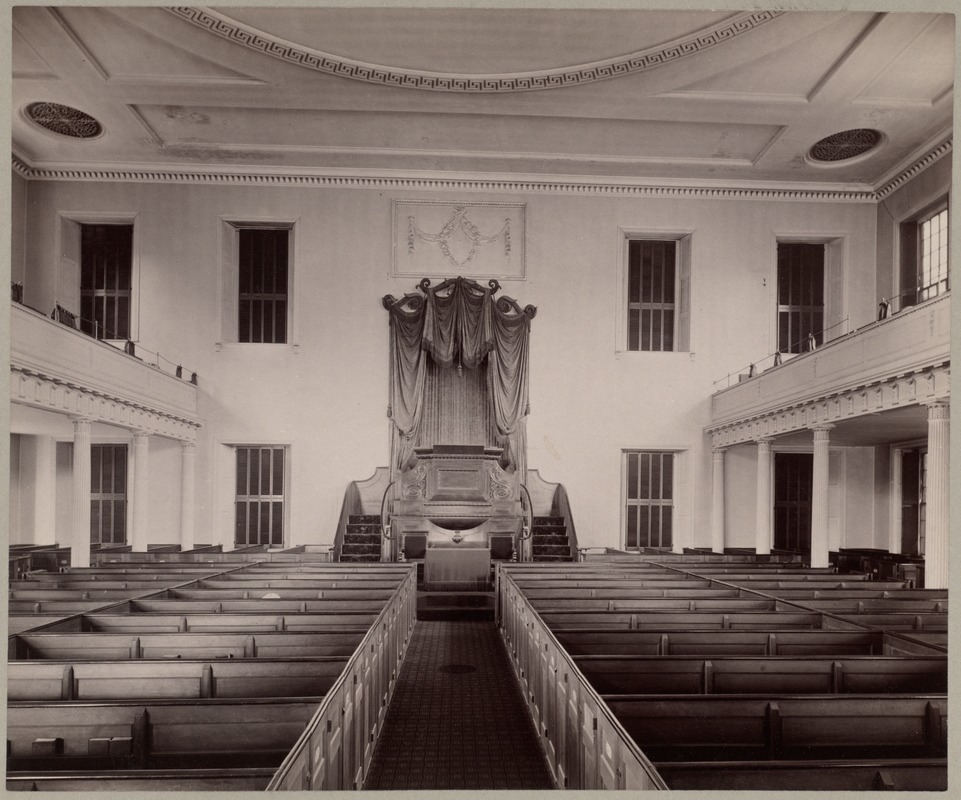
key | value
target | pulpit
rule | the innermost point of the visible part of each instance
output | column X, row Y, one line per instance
column 456, row 507
column 458, row 401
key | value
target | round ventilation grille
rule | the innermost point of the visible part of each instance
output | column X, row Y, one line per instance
column 64, row 120
column 846, row 144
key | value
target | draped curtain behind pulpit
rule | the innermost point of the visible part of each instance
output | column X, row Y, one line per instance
column 458, row 326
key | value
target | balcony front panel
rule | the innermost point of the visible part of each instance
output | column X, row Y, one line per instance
column 48, row 348
column 914, row 339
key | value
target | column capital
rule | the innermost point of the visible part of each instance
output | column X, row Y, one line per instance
column 822, row 432
column 939, row 409
column 139, row 434
column 77, row 421
column 764, row 443
column 822, row 426
column 188, row 446
column 719, row 451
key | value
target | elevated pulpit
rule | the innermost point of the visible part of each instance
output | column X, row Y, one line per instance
column 456, row 507
column 459, row 402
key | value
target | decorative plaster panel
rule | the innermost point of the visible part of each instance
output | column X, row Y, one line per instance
column 438, row 238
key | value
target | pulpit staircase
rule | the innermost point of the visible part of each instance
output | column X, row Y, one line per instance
column 361, row 538
column 549, row 540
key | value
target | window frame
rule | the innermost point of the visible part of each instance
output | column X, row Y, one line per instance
column 660, row 502
column 100, row 497
column 68, row 243
column 248, row 498
column 230, row 284
column 908, row 287
column 682, row 329
column 798, row 308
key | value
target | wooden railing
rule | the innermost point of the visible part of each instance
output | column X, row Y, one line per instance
column 335, row 750
column 584, row 744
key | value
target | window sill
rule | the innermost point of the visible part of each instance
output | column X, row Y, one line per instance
column 292, row 346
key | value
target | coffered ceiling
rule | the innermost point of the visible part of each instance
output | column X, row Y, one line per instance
column 705, row 98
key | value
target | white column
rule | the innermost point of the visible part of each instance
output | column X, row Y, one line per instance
column 188, row 453
column 820, row 517
column 938, row 497
column 139, row 500
column 43, row 450
column 80, row 523
column 895, row 490
column 717, row 502
column 765, row 498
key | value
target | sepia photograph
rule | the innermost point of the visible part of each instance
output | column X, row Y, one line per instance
column 463, row 397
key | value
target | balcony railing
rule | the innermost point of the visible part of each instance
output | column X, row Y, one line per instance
column 56, row 348
column 917, row 337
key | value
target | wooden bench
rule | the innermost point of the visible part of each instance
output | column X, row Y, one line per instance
column 533, row 592
column 147, row 680
column 876, row 605
column 68, row 647
column 155, row 734
column 337, row 592
column 255, row 605
column 918, row 775
column 719, row 643
column 739, row 728
column 903, row 622
column 227, row 621
column 62, row 607
column 667, row 620
column 285, row 583
column 765, row 675
column 252, row 779
column 696, row 603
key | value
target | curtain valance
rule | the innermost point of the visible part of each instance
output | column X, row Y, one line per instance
column 459, row 324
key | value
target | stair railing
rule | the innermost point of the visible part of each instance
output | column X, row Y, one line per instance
column 523, row 551
column 386, row 535
column 350, row 505
column 561, row 507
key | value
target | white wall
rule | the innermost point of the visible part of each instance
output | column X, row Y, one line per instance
column 327, row 396
column 13, row 518
column 18, row 219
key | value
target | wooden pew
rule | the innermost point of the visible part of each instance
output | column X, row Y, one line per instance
column 927, row 775
column 723, row 642
column 252, row 779
column 765, row 674
column 227, row 622
column 259, row 606
column 694, row 603
column 148, row 680
column 667, row 620
column 534, row 592
column 68, row 647
column 336, row 592
column 739, row 727
column 155, row 734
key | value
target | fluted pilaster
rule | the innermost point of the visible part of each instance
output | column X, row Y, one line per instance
column 938, row 498
column 765, row 498
column 188, row 453
column 717, row 502
column 819, row 497
column 80, row 516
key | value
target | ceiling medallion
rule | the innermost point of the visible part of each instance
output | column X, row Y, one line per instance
column 307, row 57
column 845, row 145
column 64, row 120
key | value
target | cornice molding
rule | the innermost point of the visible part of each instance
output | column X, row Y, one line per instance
column 745, row 190
column 31, row 388
column 496, row 184
column 914, row 169
column 917, row 387
column 579, row 74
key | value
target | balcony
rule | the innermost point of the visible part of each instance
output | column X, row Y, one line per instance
column 100, row 372
column 913, row 339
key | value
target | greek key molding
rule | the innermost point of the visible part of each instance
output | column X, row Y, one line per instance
column 927, row 386
column 53, row 394
column 319, row 61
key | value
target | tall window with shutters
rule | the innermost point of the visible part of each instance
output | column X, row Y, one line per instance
column 651, row 279
column 260, row 496
column 800, row 296
column 649, row 499
column 106, row 258
column 108, row 494
column 924, row 256
column 263, row 284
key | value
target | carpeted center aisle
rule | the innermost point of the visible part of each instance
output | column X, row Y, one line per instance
column 457, row 719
